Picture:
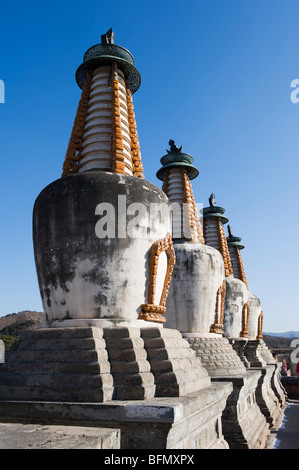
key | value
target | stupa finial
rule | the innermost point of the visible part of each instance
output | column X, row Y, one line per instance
column 176, row 158
column 108, row 38
column 174, row 148
column 212, row 201
column 232, row 240
column 229, row 229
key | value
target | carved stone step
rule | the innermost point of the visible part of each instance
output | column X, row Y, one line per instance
column 101, row 364
column 174, row 364
column 217, row 355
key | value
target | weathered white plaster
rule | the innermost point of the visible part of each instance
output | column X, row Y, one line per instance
column 197, row 276
column 255, row 310
column 161, row 273
column 236, row 297
column 100, row 278
column 119, row 298
column 100, row 323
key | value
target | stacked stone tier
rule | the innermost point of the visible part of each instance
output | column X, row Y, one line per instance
column 214, row 236
column 106, row 138
column 178, row 188
column 217, row 355
column 237, row 264
column 91, row 364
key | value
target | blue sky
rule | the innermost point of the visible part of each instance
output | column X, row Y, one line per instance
column 216, row 78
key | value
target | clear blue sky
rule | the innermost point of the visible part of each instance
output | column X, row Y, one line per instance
column 216, row 78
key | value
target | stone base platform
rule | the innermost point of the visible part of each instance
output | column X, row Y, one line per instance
column 100, row 364
column 146, row 382
column 270, row 394
column 278, row 387
column 239, row 345
column 35, row 436
column 265, row 396
column 189, row 422
column 266, row 353
column 244, row 425
column 216, row 354
column 253, row 352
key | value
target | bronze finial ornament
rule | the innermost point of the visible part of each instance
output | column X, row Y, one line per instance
column 174, row 148
column 106, row 53
column 229, row 231
column 212, row 201
column 108, row 38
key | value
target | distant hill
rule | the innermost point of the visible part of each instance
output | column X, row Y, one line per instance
column 277, row 342
column 14, row 324
column 26, row 315
column 287, row 334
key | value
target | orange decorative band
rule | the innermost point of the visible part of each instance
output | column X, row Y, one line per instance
column 260, row 326
column 223, row 248
column 241, row 269
column 217, row 327
column 187, row 199
column 196, row 229
column 135, row 148
column 72, row 157
column 245, row 320
column 152, row 311
column 117, row 147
